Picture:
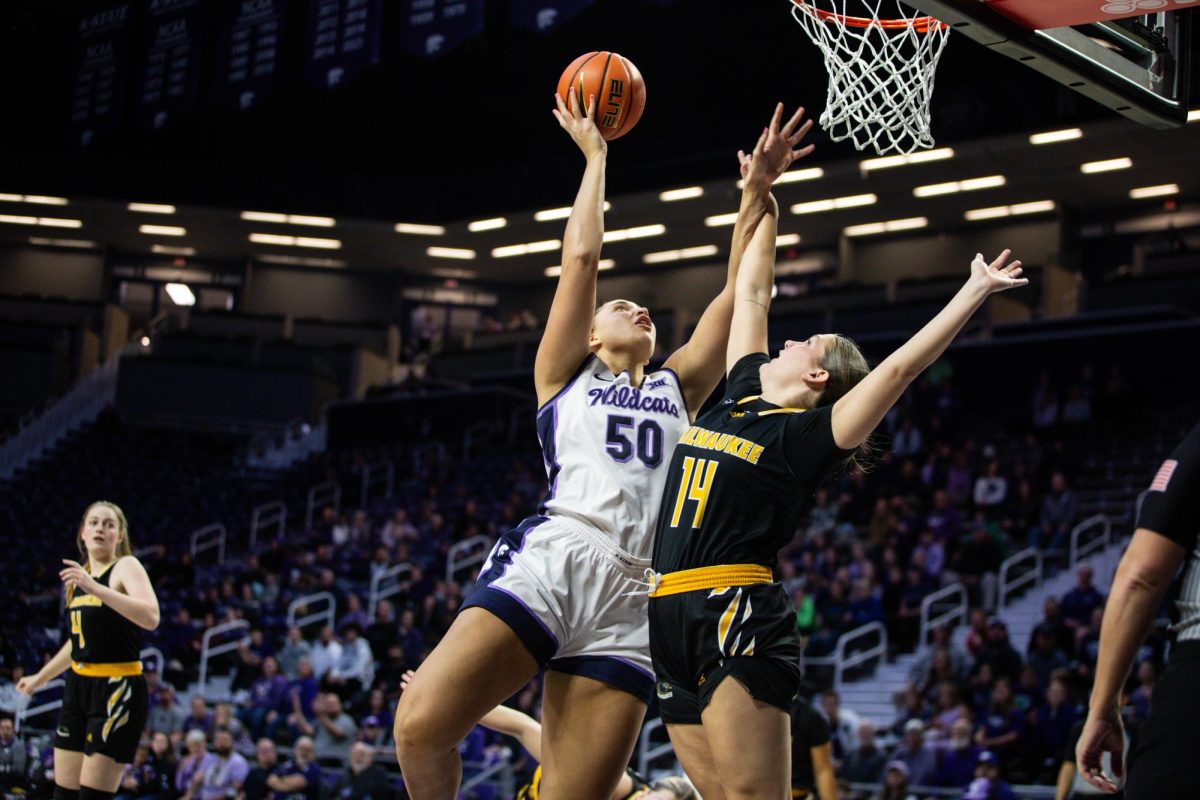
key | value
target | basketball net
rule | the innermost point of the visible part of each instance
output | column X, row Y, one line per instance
column 881, row 71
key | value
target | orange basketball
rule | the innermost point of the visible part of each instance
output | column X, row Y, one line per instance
column 616, row 83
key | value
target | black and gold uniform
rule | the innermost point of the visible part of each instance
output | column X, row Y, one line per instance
column 739, row 480
column 530, row 790
column 105, row 701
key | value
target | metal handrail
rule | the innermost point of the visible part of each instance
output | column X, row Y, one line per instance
column 329, row 614
column 371, row 478
column 378, row 593
column 1095, row 545
column 846, row 662
column 1033, row 577
column 323, row 494
column 268, row 515
column 155, row 655
column 207, row 538
column 478, row 546
column 208, row 651
column 502, row 769
column 647, row 751
column 33, row 711
column 959, row 611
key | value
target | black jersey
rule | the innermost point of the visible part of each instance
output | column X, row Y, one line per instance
column 100, row 635
column 1172, row 509
column 740, row 478
column 809, row 730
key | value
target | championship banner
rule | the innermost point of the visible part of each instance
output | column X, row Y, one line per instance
column 544, row 16
column 343, row 39
column 173, row 51
column 433, row 27
column 251, row 48
column 102, row 54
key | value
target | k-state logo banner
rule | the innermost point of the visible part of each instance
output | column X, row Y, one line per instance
column 432, row 27
column 343, row 39
column 102, row 56
column 173, row 51
column 251, row 45
column 544, row 16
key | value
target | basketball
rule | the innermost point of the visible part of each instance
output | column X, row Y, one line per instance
column 616, row 83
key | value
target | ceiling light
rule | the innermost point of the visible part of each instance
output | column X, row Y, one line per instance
column 487, row 224
column 162, row 230
column 850, row 201
column 39, row 199
column 721, row 219
column 180, row 294
column 997, row 212
column 289, row 219
column 1154, row 191
column 296, row 241
column 560, row 213
column 54, row 222
column 151, row 208
column 953, row 187
column 418, row 229
column 640, row 232
column 886, row 162
column 168, row 250
column 1037, row 207
column 1111, row 164
column 1050, row 137
column 509, row 250
column 318, row 244
column 795, row 176
column 302, row 261
column 679, row 255
column 263, row 216
column 890, row 226
column 554, row 272
column 272, row 238
column 16, row 219
column 689, row 193
column 450, row 252
column 1194, row 115
column 787, row 240
column 77, row 243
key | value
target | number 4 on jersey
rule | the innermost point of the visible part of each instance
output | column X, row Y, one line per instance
column 698, row 474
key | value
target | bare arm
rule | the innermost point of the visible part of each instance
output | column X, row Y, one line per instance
column 564, row 343
column 1066, row 776
column 1142, row 578
column 131, row 594
column 698, row 362
column 522, row 727
column 748, row 331
column 56, row 666
column 857, row 413
column 822, row 759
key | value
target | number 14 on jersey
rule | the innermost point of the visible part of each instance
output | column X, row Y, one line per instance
column 698, row 475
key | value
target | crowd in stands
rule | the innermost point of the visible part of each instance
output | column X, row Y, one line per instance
column 948, row 495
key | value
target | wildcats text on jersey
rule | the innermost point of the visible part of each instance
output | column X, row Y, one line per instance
column 630, row 397
column 735, row 446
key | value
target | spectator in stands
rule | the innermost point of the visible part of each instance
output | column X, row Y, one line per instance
column 1045, row 658
column 977, row 631
column 1022, row 512
column 812, row 753
column 1087, row 647
column 1003, row 724
column 933, row 553
column 823, row 516
column 333, row 730
column 159, row 780
column 895, row 782
column 300, row 777
column 910, row 705
column 377, row 706
column 806, row 612
column 1059, row 509
column 908, row 615
column 991, row 488
column 948, row 708
column 12, row 701
column 956, row 763
column 382, row 630
column 167, row 716
column 916, row 754
column 302, row 694
column 326, row 652
column 988, row 769
column 397, row 530
column 958, row 479
column 355, row 615
column 266, row 758
column 1077, row 410
column 1147, row 676
column 372, row 731
column 944, row 519
column 221, row 777
column 977, row 562
column 908, row 440
column 392, row 668
column 1045, row 403
column 131, row 780
column 1079, row 603
column 354, row 670
column 1052, row 727
column 266, row 700
column 200, row 717
column 954, row 667
column 224, row 719
column 843, row 724
column 16, row 762
column 1064, row 636
column 294, row 649
column 363, row 778
column 864, row 764
column 193, row 763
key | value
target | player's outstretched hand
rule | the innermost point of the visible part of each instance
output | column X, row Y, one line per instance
column 996, row 276
column 776, row 149
column 406, row 679
column 580, row 124
column 1101, row 734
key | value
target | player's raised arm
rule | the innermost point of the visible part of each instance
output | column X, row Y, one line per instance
column 564, row 343
column 857, row 413
column 700, row 362
column 752, row 294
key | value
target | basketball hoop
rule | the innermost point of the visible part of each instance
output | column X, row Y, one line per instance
column 881, row 72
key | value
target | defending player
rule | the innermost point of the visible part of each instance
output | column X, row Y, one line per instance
column 554, row 593
column 738, row 482
column 110, row 601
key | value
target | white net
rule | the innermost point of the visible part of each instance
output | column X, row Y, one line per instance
column 881, row 57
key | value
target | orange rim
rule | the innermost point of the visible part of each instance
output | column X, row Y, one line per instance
column 919, row 24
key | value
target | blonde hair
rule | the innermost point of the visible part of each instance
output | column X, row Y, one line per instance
column 677, row 785
column 846, row 365
column 124, row 548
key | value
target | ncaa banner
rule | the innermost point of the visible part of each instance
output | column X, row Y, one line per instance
column 102, row 54
column 343, row 39
column 249, row 57
column 173, row 48
column 544, row 16
column 433, row 27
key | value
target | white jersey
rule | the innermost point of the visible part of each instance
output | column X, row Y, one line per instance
column 607, row 446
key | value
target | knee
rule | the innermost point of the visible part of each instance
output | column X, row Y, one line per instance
column 418, row 725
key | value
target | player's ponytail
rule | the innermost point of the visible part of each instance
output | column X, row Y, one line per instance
column 847, row 366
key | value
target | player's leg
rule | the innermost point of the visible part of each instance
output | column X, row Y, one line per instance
column 589, row 728
column 691, row 747
column 67, row 766
column 479, row 664
column 99, row 777
column 750, row 743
